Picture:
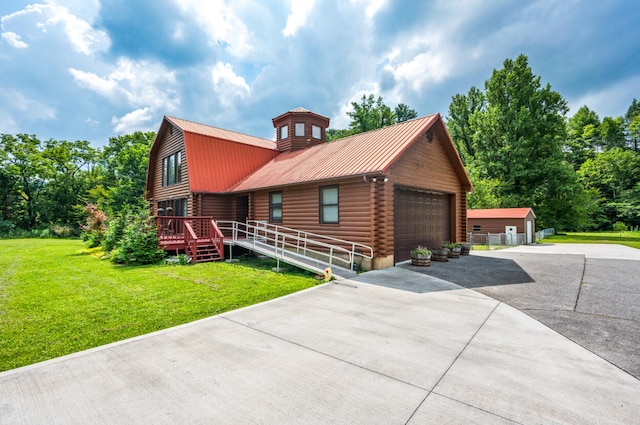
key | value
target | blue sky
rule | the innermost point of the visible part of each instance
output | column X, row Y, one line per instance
column 93, row 69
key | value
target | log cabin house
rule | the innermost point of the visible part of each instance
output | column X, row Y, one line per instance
column 390, row 189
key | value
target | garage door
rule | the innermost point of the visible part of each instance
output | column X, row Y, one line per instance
column 420, row 219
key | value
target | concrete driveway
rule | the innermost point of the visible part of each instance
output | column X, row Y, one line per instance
column 353, row 352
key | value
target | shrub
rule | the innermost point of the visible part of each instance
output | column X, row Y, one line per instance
column 114, row 233
column 139, row 244
column 96, row 226
column 620, row 227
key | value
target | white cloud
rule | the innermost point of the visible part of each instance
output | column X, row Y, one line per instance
column 227, row 84
column 138, row 120
column 139, row 83
column 218, row 20
column 82, row 36
column 14, row 40
column 423, row 61
column 103, row 86
column 372, row 7
column 300, row 11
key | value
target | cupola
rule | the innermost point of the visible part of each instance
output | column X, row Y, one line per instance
column 299, row 129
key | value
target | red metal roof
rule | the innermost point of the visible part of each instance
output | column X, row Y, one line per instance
column 218, row 158
column 216, row 164
column 364, row 153
column 500, row 213
column 207, row 130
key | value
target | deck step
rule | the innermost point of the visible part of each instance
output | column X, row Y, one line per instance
column 206, row 253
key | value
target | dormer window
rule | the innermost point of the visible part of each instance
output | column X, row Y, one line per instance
column 284, row 132
column 299, row 129
column 316, row 132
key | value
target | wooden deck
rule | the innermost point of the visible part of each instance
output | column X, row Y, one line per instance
column 198, row 237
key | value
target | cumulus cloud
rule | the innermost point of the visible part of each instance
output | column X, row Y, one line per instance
column 138, row 120
column 82, row 36
column 300, row 11
column 14, row 40
column 219, row 21
column 227, row 84
column 139, row 83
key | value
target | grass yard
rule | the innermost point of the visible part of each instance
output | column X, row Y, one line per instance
column 631, row 239
column 56, row 297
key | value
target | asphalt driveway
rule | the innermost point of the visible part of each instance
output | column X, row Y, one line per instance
column 588, row 293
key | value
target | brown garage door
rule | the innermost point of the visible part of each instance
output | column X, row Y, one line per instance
column 420, row 219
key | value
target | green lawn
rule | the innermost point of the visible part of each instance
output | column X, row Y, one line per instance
column 631, row 239
column 56, row 297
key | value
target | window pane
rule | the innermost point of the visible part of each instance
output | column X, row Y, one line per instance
column 171, row 170
column 299, row 129
column 276, row 198
column 178, row 167
column 330, row 196
column 284, row 132
column 276, row 214
column 330, row 214
column 315, row 132
column 165, row 171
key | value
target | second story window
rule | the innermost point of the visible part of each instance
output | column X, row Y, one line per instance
column 316, row 132
column 172, row 169
column 299, row 129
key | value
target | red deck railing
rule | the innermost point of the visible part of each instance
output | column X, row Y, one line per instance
column 188, row 233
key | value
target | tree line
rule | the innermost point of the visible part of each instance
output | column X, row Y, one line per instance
column 520, row 150
column 45, row 187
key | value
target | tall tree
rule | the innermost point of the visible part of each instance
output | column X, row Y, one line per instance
column 70, row 164
column 404, row 113
column 126, row 158
column 25, row 162
column 615, row 174
column 516, row 139
column 633, row 130
column 583, row 137
column 462, row 121
column 370, row 114
column 612, row 133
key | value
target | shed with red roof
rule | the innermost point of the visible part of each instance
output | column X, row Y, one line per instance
column 496, row 220
column 392, row 188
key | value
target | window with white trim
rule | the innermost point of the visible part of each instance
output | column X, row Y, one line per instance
column 299, row 129
column 329, row 209
column 316, row 132
column 275, row 207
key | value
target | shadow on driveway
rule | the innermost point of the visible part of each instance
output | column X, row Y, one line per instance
column 473, row 271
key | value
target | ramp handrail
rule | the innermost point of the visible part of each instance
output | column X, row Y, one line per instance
column 285, row 239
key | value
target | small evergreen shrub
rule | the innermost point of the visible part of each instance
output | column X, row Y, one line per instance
column 139, row 243
column 114, row 233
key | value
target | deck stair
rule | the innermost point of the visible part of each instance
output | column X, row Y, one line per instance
column 198, row 237
column 305, row 250
column 207, row 252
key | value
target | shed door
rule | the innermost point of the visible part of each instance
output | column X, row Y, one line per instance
column 420, row 219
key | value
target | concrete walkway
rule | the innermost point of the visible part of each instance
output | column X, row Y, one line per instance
column 353, row 352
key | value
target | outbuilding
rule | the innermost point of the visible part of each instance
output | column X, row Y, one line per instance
column 503, row 220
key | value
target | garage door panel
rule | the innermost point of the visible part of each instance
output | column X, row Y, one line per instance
column 420, row 219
